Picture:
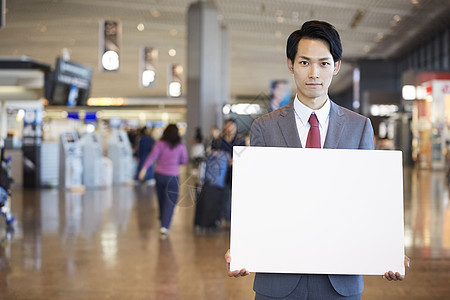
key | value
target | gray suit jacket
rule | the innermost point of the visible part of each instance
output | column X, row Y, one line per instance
column 346, row 130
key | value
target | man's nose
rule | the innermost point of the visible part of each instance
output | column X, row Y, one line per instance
column 313, row 71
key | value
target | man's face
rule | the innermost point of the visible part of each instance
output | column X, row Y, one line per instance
column 313, row 71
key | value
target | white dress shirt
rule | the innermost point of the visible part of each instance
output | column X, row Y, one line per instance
column 302, row 114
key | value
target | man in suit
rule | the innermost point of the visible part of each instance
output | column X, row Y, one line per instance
column 313, row 56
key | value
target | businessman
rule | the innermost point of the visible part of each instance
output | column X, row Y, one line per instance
column 312, row 120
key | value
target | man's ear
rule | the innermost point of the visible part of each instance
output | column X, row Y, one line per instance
column 290, row 65
column 337, row 66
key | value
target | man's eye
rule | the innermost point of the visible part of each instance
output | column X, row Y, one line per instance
column 304, row 63
column 325, row 64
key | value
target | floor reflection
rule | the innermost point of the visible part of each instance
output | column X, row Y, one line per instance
column 427, row 214
column 104, row 244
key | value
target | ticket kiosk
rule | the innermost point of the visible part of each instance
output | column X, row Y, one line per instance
column 92, row 160
column 70, row 161
column 121, row 155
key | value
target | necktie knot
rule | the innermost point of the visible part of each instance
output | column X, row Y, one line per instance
column 313, row 121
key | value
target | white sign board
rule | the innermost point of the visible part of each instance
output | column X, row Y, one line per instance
column 320, row 211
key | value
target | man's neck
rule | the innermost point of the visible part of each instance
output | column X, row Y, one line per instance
column 313, row 103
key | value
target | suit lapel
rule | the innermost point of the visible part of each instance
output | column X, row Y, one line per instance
column 288, row 126
column 335, row 126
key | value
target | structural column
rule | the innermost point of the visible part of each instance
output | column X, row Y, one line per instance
column 205, row 73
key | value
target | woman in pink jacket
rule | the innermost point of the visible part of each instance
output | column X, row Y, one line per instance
column 168, row 153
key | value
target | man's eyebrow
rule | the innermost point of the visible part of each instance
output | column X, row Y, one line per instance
column 320, row 59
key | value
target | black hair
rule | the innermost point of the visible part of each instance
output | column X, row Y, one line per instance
column 171, row 135
column 198, row 134
column 315, row 30
column 216, row 144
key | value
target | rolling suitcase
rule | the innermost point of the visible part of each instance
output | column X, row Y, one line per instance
column 211, row 195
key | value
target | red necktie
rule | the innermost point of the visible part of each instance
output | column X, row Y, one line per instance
column 313, row 140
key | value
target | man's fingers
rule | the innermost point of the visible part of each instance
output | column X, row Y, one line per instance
column 233, row 274
column 238, row 273
column 227, row 256
column 407, row 261
column 391, row 276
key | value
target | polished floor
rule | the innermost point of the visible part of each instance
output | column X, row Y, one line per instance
column 105, row 244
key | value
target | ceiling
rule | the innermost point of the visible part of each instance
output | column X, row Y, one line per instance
column 257, row 30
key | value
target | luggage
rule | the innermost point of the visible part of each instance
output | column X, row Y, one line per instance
column 208, row 207
column 210, row 197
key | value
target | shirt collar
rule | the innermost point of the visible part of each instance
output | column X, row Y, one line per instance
column 304, row 112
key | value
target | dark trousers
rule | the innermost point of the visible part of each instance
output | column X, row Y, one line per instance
column 312, row 287
column 167, row 189
column 226, row 206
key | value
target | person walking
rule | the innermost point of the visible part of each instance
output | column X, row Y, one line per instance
column 168, row 154
column 145, row 146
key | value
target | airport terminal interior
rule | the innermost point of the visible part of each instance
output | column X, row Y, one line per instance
column 86, row 84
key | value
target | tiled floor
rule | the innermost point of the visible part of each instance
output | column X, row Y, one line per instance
column 105, row 245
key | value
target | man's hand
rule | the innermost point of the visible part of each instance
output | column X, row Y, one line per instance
column 237, row 273
column 394, row 277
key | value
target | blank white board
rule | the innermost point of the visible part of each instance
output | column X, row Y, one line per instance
column 318, row 211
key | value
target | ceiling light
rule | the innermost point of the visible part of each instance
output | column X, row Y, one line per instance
column 90, row 128
column 173, row 32
column 148, row 77
column 155, row 13
column 421, row 92
column 110, row 60
column 66, row 52
column 379, row 37
column 280, row 18
column 409, row 92
column 140, row 27
column 20, row 115
column 172, row 52
column 226, row 109
column 12, row 89
column 415, row 2
column 397, row 18
column 174, row 89
column 278, row 34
